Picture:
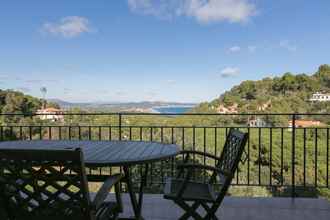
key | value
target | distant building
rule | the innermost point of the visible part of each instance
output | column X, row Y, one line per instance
column 257, row 122
column 264, row 106
column 305, row 123
column 224, row 110
column 320, row 97
column 52, row 114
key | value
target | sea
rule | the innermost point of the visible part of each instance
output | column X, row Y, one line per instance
column 172, row 109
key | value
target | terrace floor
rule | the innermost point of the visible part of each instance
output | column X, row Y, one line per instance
column 238, row 208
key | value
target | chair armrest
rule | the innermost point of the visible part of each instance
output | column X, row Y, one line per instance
column 103, row 192
column 203, row 167
column 200, row 153
column 189, row 152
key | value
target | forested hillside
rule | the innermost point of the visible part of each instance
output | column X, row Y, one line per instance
column 286, row 94
column 17, row 102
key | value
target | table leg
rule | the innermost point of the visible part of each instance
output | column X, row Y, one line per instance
column 143, row 184
column 137, row 205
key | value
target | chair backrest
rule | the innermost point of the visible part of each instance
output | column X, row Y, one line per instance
column 44, row 184
column 232, row 151
column 231, row 156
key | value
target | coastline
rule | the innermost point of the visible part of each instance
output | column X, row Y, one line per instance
column 170, row 109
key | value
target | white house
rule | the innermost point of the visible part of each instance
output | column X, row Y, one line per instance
column 320, row 97
column 257, row 122
column 52, row 114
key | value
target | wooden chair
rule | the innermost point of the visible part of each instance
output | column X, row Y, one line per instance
column 190, row 195
column 52, row 184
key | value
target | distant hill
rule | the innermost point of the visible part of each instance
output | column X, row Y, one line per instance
column 286, row 94
column 117, row 106
column 60, row 102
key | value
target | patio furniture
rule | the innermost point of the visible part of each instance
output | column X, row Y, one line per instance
column 52, row 184
column 184, row 191
column 123, row 154
column 3, row 212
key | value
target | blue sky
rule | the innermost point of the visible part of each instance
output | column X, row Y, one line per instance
column 173, row 50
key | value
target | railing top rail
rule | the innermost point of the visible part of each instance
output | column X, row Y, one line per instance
column 162, row 114
column 158, row 126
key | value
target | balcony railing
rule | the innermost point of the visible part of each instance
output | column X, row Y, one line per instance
column 280, row 157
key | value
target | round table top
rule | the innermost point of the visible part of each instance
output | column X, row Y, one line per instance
column 104, row 153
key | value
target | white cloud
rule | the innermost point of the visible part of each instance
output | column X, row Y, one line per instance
column 286, row 44
column 207, row 11
column 234, row 49
column 27, row 79
column 5, row 77
column 230, row 72
column 23, row 89
column 40, row 81
column 252, row 48
column 170, row 82
column 150, row 95
column 120, row 93
column 68, row 27
column 163, row 9
column 204, row 11
column 67, row 91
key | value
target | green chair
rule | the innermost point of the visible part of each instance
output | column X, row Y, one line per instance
column 52, row 184
column 190, row 194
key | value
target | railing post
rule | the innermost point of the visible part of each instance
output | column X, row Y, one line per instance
column 119, row 124
column 293, row 154
column 1, row 134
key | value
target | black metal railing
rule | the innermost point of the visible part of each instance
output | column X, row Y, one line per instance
column 279, row 156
